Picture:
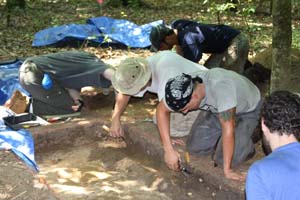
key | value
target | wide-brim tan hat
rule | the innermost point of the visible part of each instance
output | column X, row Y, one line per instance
column 131, row 75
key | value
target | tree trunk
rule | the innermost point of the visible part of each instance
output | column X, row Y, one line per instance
column 10, row 5
column 281, row 45
column 15, row 3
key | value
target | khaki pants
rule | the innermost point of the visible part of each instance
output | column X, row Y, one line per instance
column 233, row 58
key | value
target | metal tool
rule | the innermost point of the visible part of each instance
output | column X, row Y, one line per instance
column 183, row 168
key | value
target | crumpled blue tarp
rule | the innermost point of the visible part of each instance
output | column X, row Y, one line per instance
column 20, row 142
column 9, row 80
column 124, row 31
column 99, row 30
column 67, row 32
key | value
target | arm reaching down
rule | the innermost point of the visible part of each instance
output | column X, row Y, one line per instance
column 227, row 120
column 116, row 129
column 163, row 121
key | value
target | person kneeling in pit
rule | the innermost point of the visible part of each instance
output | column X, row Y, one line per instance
column 230, row 106
column 54, row 81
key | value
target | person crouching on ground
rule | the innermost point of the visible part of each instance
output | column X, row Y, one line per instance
column 54, row 80
column 230, row 106
column 136, row 76
column 277, row 176
column 228, row 47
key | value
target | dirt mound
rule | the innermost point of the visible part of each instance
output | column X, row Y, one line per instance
column 265, row 59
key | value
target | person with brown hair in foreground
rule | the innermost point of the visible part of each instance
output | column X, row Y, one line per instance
column 277, row 176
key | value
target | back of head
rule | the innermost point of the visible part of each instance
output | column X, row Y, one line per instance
column 131, row 75
column 281, row 113
column 158, row 34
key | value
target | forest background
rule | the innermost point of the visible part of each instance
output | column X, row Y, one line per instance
column 271, row 25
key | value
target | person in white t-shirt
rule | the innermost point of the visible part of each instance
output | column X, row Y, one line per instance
column 136, row 76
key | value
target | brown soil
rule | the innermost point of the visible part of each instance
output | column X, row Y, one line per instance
column 100, row 168
column 265, row 58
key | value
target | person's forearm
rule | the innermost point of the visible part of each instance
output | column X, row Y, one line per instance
column 178, row 50
column 171, row 156
column 74, row 94
column 120, row 105
column 163, row 122
column 227, row 120
column 228, row 147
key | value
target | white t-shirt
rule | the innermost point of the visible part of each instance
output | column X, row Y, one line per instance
column 165, row 65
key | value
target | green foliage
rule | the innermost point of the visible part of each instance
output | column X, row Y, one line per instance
column 219, row 9
column 134, row 3
column 17, row 39
column 296, row 37
column 129, row 3
column 10, row 4
column 106, row 39
column 246, row 14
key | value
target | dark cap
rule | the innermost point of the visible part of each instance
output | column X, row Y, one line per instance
column 158, row 34
column 179, row 90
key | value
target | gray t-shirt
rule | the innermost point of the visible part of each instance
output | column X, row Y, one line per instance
column 73, row 69
column 225, row 89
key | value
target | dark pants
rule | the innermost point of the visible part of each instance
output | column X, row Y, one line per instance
column 206, row 136
column 53, row 101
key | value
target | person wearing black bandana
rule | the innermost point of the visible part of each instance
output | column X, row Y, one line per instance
column 230, row 106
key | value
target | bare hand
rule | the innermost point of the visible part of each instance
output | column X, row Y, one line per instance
column 172, row 159
column 179, row 50
column 78, row 105
column 192, row 105
column 230, row 174
column 116, row 129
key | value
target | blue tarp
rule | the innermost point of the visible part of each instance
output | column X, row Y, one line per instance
column 20, row 142
column 101, row 30
column 9, row 80
column 124, row 31
column 64, row 33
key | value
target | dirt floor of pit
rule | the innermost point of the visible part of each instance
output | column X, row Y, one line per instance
column 104, row 170
column 100, row 169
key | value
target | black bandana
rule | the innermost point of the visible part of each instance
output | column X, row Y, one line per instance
column 179, row 90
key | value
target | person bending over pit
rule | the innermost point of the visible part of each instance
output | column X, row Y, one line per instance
column 230, row 105
column 54, row 80
column 228, row 46
column 277, row 176
column 136, row 76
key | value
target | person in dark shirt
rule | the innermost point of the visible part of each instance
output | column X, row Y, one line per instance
column 228, row 47
column 54, row 80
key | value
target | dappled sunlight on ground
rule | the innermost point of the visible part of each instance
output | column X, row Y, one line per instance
column 101, row 168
